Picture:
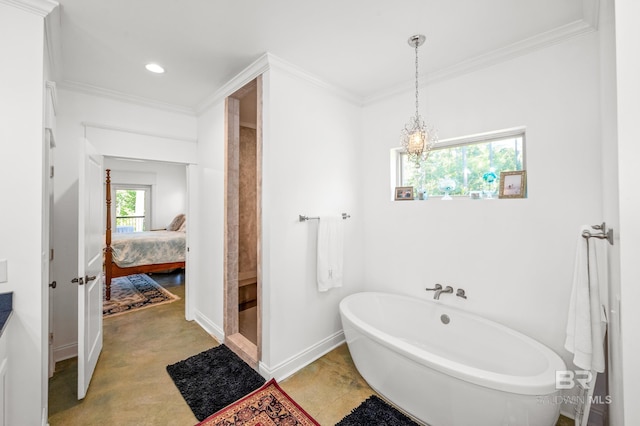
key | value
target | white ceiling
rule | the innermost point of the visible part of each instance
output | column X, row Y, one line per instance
column 356, row 45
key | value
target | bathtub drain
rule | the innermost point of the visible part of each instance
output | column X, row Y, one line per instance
column 445, row 318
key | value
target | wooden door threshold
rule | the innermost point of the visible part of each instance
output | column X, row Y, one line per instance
column 244, row 348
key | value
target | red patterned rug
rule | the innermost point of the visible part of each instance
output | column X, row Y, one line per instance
column 266, row 406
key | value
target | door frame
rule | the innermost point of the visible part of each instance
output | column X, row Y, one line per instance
column 249, row 352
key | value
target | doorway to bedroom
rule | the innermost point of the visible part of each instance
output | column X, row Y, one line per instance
column 148, row 198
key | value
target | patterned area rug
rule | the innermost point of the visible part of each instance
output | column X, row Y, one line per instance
column 375, row 411
column 267, row 406
column 135, row 292
column 213, row 379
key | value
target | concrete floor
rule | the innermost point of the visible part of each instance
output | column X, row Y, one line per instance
column 131, row 386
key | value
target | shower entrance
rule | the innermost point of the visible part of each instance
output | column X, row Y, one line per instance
column 243, row 183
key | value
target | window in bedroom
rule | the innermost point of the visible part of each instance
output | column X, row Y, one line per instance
column 467, row 164
column 132, row 208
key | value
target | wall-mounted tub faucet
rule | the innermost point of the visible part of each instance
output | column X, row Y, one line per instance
column 436, row 288
column 460, row 293
column 447, row 289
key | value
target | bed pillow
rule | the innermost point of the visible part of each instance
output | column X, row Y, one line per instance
column 176, row 222
column 183, row 227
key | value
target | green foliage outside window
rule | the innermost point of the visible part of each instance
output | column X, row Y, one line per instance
column 472, row 166
column 126, row 202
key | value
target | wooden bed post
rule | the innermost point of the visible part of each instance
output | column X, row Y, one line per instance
column 108, row 253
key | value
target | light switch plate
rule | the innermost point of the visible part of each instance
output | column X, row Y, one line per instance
column 3, row 271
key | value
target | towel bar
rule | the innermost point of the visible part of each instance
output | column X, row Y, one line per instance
column 303, row 218
column 605, row 234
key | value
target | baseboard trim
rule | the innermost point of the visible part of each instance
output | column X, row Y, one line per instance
column 209, row 326
column 303, row 358
column 65, row 352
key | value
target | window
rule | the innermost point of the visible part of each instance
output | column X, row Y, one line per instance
column 132, row 208
column 472, row 163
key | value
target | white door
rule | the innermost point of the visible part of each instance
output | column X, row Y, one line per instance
column 90, row 247
column 48, row 203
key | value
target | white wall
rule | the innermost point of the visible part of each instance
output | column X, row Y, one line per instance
column 514, row 257
column 628, row 70
column 21, row 214
column 168, row 185
column 208, row 211
column 159, row 133
column 311, row 165
column 312, row 162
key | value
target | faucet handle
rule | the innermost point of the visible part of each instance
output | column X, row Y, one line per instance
column 460, row 293
column 437, row 287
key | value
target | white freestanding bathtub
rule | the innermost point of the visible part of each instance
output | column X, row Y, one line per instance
column 446, row 367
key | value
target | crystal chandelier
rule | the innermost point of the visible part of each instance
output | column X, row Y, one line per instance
column 417, row 139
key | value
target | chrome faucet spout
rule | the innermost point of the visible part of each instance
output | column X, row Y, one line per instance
column 436, row 288
column 447, row 289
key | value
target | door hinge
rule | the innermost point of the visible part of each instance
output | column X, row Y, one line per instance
column 50, row 254
column 52, row 172
column 50, row 338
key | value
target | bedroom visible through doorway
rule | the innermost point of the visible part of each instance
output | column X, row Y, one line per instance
column 146, row 223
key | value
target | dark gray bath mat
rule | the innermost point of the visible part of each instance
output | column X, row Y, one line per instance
column 374, row 411
column 213, row 379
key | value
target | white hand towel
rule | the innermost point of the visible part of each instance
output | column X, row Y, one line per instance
column 329, row 252
column 586, row 322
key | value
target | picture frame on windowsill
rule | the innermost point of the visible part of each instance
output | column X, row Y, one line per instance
column 513, row 184
column 403, row 193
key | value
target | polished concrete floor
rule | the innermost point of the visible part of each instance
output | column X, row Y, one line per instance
column 131, row 386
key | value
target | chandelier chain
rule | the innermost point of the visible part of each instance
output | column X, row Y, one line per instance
column 417, row 75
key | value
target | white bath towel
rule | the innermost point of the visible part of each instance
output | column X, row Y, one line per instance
column 330, row 252
column 586, row 321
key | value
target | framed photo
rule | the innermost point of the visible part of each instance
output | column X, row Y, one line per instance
column 513, row 184
column 404, row 193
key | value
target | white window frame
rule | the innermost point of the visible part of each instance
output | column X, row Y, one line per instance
column 396, row 153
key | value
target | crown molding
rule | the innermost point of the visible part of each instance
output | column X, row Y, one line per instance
column 520, row 48
column 136, row 132
column 260, row 66
column 296, row 71
column 39, row 7
column 90, row 89
column 256, row 68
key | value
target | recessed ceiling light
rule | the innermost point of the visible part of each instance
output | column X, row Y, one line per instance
column 155, row 68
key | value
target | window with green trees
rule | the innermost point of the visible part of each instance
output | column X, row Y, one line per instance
column 465, row 164
column 131, row 208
